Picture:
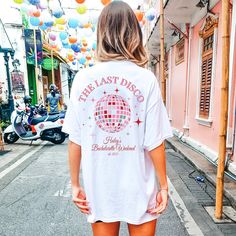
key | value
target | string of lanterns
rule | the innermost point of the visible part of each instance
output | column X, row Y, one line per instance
column 74, row 36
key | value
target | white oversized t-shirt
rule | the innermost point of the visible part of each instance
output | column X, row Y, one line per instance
column 117, row 115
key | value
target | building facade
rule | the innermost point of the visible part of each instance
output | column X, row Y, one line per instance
column 193, row 64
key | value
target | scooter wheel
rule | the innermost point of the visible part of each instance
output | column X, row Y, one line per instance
column 59, row 137
column 10, row 137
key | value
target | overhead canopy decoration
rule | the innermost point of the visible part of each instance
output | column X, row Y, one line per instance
column 70, row 29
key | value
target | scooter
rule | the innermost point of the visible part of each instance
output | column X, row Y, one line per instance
column 43, row 127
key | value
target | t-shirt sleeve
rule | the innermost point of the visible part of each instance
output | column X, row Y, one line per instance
column 71, row 124
column 157, row 125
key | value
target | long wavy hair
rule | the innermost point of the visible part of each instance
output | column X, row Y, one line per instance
column 119, row 36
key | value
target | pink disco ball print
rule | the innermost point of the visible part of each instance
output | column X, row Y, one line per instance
column 112, row 113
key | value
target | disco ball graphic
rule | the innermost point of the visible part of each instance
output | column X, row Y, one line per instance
column 112, row 113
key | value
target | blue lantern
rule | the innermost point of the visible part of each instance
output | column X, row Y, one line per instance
column 74, row 63
column 63, row 35
column 94, row 46
column 49, row 23
column 43, row 27
column 34, row 2
column 34, row 21
column 75, row 47
column 90, row 64
column 58, row 14
column 73, row 23
column 82, row 60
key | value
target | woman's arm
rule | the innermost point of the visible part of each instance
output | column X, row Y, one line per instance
column 78, row 194
column 158, row 157
column 74, row 163
column 159, row 161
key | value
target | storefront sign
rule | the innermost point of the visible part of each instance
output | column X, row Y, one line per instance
column 47, row 64
column 18, row 84
column 30, row 42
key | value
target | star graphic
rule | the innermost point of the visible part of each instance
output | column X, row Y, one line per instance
column 138, row 121
column 116, row 90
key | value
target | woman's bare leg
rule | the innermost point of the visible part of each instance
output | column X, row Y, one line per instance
column 106, row 229
column 147, row 229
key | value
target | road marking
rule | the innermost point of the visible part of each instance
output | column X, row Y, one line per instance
column 21, row 160
column 184, row 215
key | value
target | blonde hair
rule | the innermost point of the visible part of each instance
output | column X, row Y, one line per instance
column 119, row 36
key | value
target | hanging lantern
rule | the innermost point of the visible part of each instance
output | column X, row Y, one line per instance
column 105, row 2
column 52, row 36
column 63, row 35
column 83, row 49
column 81, row 9
column 58, row 14
column 80, row 1
column 43, row 27
column 72, row 40
column 73, row 23
column 94, row 47
column 61, row 21
column 34, row 21
column 19, row 1
column 37, row 13
column 82, row 60
column 34, row 2
column 43, row 4
column 151, row 14
column 85, row 44
column 61, row 27
column 74, row 63
column 139, row 14
column 31, row 10
column 75, row 48
column 88, row 57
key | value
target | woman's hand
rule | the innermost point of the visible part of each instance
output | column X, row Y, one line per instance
column 161, row 202
column 79, row 198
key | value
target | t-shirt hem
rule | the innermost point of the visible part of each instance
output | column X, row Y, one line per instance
column 157, row 144
column 133, row 222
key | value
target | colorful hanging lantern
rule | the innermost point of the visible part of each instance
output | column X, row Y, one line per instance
column 34, row 2
column 34, row 21
column 72, row 40
column 19, row 1
column 43, row 27
column 37, row 13
column 74, row 63
column 80, row 1
column 82, row 60
column 94, row 47
column 81, row 9
column 75, row 48
column 43, row 4
column 61, row 21
column 151, row 14
column 52, row 36
column 73, row 23
column 58, row 14
column 105, row 2
column 63, row 35
column 139, row 14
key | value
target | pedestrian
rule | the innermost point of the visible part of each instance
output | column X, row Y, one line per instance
column 117, row 124
column 53, row 99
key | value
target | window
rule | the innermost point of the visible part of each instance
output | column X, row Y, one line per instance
column 207, row 34
column 179, row 55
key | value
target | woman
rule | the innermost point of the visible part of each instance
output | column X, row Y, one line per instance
column 117, row 124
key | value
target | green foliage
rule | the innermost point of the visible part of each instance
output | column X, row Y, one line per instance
column 4, row 124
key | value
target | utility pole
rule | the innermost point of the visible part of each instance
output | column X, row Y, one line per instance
column 162, row 44
column 224, row 107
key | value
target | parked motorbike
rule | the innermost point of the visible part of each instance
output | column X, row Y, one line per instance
column 46, row 127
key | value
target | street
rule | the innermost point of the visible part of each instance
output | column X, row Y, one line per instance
column 35, row 198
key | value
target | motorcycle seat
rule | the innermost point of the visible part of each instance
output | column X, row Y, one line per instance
column 37, row 120
column 53, row 118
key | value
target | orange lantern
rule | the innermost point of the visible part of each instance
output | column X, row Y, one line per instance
column 85, row 44
column 88, row 57
column 105, row 2
column 36, row 13
column 139, row 15
column 72, row 40
column 88, row 25
column 83, row 49
column 41, row 23
column 80, row 1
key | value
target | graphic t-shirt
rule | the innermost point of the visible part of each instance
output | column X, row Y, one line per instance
column 117, row 115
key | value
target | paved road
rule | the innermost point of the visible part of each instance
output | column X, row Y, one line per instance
column 35, row 200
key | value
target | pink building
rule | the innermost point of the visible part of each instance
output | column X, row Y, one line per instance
column 193, row 42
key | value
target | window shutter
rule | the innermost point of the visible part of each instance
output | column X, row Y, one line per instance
column 205, row 95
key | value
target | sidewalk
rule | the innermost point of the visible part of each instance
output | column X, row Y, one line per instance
column 205, row 167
